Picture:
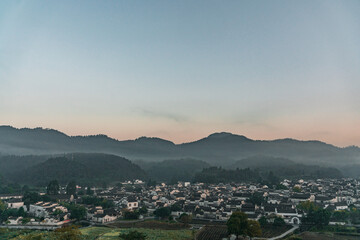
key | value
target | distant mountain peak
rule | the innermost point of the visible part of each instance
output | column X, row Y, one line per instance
column 153, row 140
column 220, row 135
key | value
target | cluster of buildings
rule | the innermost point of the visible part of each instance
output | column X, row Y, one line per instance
column 43, row 215
column 215, row 202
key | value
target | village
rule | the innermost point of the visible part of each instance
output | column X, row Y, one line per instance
column 137, row 201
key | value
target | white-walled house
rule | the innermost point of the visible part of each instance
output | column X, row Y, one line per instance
column 15, row 203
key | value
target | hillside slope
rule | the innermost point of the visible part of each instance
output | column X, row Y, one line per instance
column 92, row 169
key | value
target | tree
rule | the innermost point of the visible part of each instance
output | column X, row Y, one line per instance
column 175, row 207
column 341, row 215
column 132, row 235
column 278, row 221
column 273, row 180
column 3, row 213
column 77, row 212
column 257, row 198
column 318, row 218
column 254, row 229
column 2, row 206
column 296, row 189
column 25, row 188
column 263, row 221
column 151, row 183
column 57, row 212
column 30, row 198
column 143, row 210
column 53, row 187
column 128, row 215
column 237, row 223
column 307, row 206
column 354, row 215
column 71, row 188
column 25, row 221
column 21, row 212
column 162, row 212
column 89, row 191
column 185, row 218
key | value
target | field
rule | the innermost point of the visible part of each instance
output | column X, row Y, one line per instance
column 6, row 233
column 212, row 232
column 153, row 224
column 104, row 233
column 323, row 236
column 269, row 231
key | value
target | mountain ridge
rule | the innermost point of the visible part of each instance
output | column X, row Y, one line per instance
column 217, row 148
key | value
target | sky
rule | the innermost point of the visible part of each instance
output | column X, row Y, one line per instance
column 181, row 70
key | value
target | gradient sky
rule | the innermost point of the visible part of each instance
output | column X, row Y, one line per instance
column 181, row 70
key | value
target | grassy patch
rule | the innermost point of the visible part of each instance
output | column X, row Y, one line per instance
column 153, row 224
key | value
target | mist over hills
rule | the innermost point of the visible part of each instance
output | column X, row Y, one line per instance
column 216, row 149
column 173, row 170
column 286, row 168
column 84, row 168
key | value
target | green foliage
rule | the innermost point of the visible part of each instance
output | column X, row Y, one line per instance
column 355, row 215
column 57, row 212
column 239, row 224
column 162, row 212
column 2, row 206
column 173, row 171
column 185, row 218
column 273, row 179
column 9, row 187
column 77, row 212
column 131, row 215
column 263, row 221
column 296, row 189
column 284, row 168
column 86, row 169
column 257, row 198
column 53, row 187
column 175, row 207
column 21, row 212
column 278, row 222
column 105, row 203
column 281, row 187
column 133, row 235
column 143, row 210
column 318, row 218
column 68, row 233
column 25, row 221
column 342, row 215
column 3, row 214
column 33, row 197
column 71, row 188
column 25, row 188
column 89, row 191
column 220, row 175
column 151, row 183
column 307, row 206
column 254, row 229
